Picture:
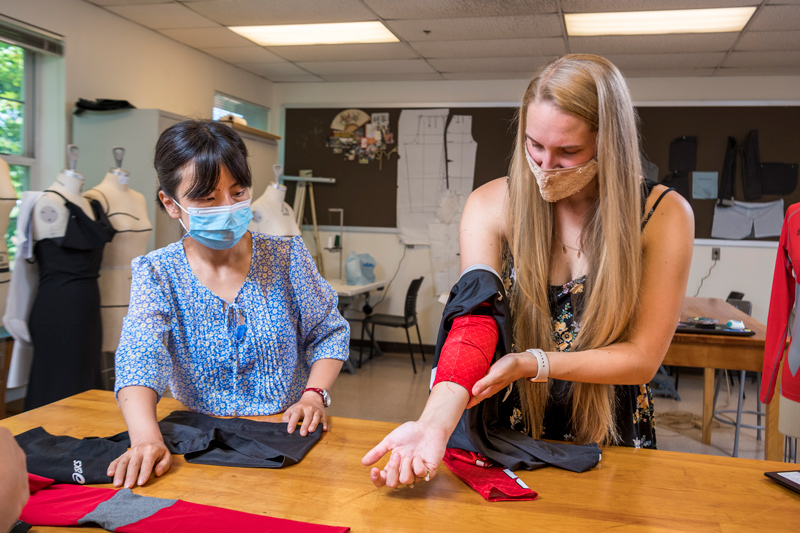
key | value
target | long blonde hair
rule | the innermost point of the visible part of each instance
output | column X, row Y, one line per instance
column 590, row 88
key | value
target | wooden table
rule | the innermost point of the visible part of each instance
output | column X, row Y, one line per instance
column 631, row 489
column 710, row 352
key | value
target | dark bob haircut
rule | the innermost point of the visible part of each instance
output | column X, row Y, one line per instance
column 206, row 146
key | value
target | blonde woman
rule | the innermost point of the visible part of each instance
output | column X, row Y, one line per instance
column 594, row 263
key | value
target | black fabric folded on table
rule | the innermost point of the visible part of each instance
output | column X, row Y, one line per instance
column 208, row 440
column 200, row 438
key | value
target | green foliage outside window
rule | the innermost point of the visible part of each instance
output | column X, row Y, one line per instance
column 12, row 122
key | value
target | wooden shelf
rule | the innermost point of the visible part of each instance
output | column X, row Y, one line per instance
column 252, row 131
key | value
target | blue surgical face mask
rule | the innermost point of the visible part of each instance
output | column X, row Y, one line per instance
column 218, row 227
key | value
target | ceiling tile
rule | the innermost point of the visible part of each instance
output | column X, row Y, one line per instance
column 666, row 61
column 487, row 75
column 490, row 47
column 338, row 52
column 477, row 28
column 773, row 18
column 418, row 9
column 125, row 2
column 653, row 44
column 668, row 73
column 274, row 69
column 207, row 37
column 760, row 71
column 243, row 54
column 769, row 40
column 300, row 78
column 392, row 66
column 601, row 6
column 491, row 64
column 162, row 16
column 256, row 12
column 764, row 59
column 419, row 76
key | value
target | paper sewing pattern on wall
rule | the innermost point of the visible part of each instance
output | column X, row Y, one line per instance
column 435, row 174
column 360, row 137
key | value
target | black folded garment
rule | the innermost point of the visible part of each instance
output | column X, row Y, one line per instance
column 200, row 438
column 208, row 440
column 101, row 104
column 67, row 459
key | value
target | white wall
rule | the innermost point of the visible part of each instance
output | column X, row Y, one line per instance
column 745, row 268
column 107, row 56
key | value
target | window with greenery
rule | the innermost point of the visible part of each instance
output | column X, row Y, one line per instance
column 256, row 116
column 14, row 117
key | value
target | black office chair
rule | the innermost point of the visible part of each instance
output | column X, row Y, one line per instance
column 408, row 319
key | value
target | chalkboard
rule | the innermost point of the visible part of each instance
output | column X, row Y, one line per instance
column 368, row 192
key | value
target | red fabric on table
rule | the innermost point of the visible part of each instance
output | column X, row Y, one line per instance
column 53, row 504
column 494, row 483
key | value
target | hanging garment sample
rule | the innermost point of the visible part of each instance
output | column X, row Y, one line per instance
column 122, row 510
column 740, row 219
column 454, row 189
column 64, row 321
column 784, row 297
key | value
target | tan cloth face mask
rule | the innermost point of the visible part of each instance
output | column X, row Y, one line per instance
column 560, row 183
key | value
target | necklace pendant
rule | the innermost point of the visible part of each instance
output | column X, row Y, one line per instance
column 563, row 249
column 579, row 254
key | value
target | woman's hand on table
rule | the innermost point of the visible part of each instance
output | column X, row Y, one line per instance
column 310, row 411
column 134, row 466
column 416, row 450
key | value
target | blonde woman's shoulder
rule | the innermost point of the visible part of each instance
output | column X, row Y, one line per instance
column 672, row 214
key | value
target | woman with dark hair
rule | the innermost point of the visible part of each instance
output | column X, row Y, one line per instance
column 588, row 260
column 234, row 322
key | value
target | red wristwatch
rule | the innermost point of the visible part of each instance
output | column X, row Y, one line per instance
column 326, row 398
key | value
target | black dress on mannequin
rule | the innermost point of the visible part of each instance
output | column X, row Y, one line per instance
column 65, row 318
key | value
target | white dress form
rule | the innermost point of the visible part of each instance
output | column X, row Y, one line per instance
column 126, row 210
column 789, row 418
column 50, row 214
column 8, row 199
column 271, row 215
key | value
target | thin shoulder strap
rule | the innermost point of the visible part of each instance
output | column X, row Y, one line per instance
column 653, row 209
column 98, row 191
column 58, row 193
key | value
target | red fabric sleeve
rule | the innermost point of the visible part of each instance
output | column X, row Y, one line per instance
column 494, row 483
column 780, row 306
column 467, row 353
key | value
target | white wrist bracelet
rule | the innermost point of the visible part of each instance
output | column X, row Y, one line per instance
column 544, row 365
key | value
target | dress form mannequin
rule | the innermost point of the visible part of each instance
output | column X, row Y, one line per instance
column 50, row 214
column 789, row 418
column 69, row 234
column 271, row 215
column 126, row 210
column 8, row 199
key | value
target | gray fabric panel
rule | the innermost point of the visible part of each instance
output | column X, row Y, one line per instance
column 125, row 508
column 704, row 185
column 737, row 221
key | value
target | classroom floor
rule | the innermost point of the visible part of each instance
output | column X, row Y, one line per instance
column 386, row 389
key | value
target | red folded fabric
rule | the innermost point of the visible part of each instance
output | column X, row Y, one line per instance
column 468, row 351
column 494, row 483
column 121, row 510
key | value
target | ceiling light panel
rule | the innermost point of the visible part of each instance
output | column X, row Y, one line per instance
column 658, row 22
column 307, row 34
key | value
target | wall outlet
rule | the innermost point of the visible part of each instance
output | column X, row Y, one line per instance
column 715, row 254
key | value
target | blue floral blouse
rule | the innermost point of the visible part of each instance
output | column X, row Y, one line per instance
column 251, row 357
